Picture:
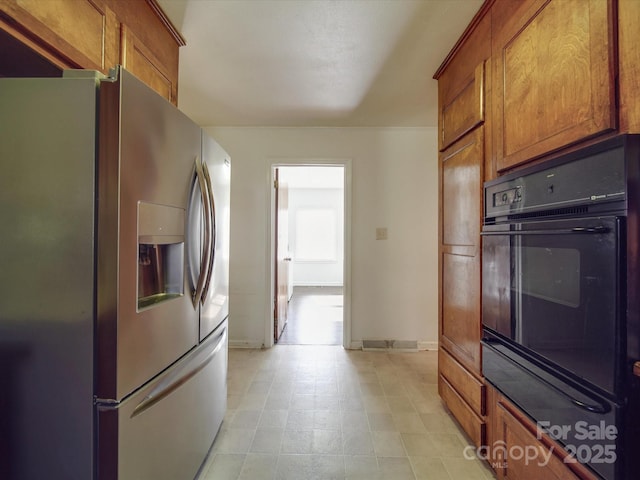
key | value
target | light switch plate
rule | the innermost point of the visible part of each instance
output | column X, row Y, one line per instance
column 381, row 233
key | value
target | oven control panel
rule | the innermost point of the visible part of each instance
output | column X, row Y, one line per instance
column 593, row 178
column 507, row 197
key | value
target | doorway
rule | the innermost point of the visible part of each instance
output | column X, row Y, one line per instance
column 310, row 254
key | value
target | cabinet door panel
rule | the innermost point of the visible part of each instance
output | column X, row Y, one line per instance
column 82, row 31
column 139, row 60
column 462, row 190
column 465, row 111
column 460, row 323
column 540, row 461
column 554, row 77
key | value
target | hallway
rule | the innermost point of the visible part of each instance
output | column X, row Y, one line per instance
column 315, row 317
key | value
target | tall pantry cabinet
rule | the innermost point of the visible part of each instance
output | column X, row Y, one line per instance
column 463, row 85
column 528, row 79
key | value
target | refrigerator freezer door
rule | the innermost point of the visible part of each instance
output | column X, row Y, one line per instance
column 146, row 157
column 216, row 302
column 165, row 430
column 47, row 192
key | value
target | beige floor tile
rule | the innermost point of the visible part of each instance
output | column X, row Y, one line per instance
column 354, row 421
column 395, row 469
column 297, row 442
column 258, row 467
column 273, row 419
column 301, row 401
column 245, row 419
column 400, row 404
column 388, row 444
column 427, row 468
column 419, row 445
column 310, row 467
column 277, row 401
column 253, row 401
column 267, row 440
column 327, row 442
column 467, row 469
column 373, row 389
column 438, row 422
column 448, row 445
column 327, row 420
column 358, row 443
column 358, row 467
column 409, row 423
column 300, row 420
column 224, row 467
column 382, row 422
column 375, row 404
column 233, row 441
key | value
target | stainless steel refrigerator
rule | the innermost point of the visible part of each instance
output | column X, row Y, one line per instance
column 114, row 224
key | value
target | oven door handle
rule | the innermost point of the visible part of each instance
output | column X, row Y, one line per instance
column 567, row 231
column 597, row 408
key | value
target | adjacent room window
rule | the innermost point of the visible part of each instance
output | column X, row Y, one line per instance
column 316, row 235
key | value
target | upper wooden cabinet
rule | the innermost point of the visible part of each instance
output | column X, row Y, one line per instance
column 463, row 81
column 98, row 35
column 69, row 33
column 140, row 60
column 553, row 75
column 629, row 60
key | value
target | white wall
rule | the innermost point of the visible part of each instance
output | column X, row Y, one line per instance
column 394, row 185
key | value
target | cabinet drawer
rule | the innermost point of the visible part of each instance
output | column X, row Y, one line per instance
column 471, row 423
column 467, row 386
column 465, row 111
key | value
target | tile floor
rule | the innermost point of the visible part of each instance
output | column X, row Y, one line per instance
column 315, row 317
column 321, row 412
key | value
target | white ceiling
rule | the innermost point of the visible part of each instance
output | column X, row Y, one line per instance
column 314, row 62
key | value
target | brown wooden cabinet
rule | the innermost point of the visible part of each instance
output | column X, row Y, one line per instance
column 460, row 249
column 463, row 83
column 69, row 33
column 97, row 35
column 629, row 61
column 553, row 75
column 517, row 450
column 527, row 78
column 138, row 58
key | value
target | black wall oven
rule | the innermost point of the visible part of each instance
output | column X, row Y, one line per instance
column 559, row 311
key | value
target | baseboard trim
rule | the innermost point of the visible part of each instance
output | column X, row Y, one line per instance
column 393, row 345
column 424, row 345
column 244, row 344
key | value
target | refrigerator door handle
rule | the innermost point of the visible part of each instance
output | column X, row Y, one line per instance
column 212, row 232
column 181, row 376
column 197, row 294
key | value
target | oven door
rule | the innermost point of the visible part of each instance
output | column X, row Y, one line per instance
column 553, row 288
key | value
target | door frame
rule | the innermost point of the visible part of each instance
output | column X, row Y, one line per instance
column 270, row 253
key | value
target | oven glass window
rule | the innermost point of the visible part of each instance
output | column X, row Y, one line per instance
column 552, row 274
column 552, row 287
